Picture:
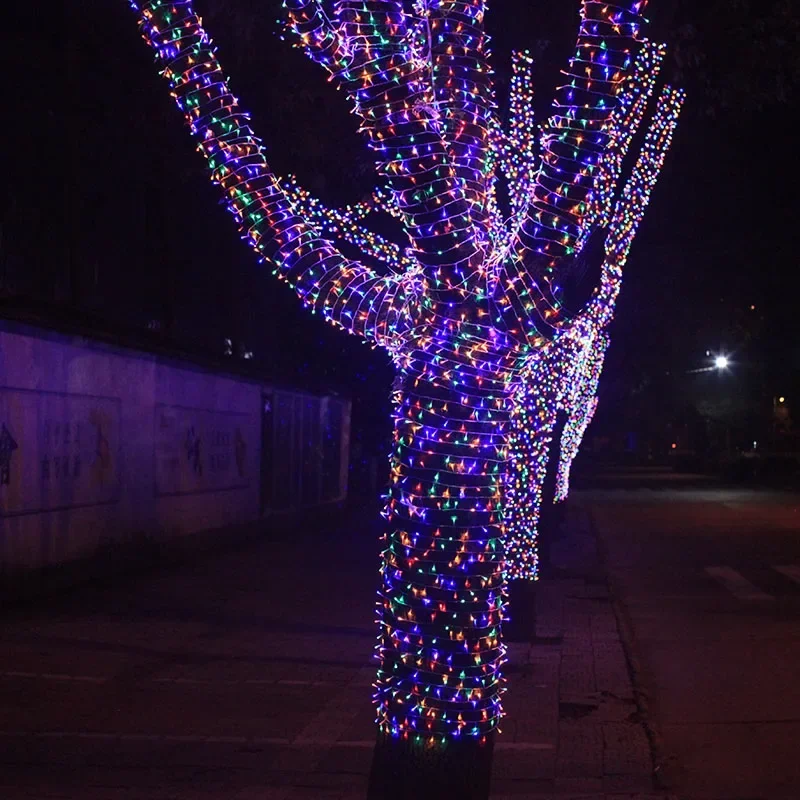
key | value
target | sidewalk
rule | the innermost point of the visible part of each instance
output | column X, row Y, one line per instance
column 247, row 677
column 572, row 729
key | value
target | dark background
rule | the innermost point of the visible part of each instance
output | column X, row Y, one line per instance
column 107, row 215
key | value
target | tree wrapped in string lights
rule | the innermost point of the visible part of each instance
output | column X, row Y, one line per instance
column 564, row 376
column 469, row 307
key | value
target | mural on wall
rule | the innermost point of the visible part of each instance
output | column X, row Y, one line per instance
column 200, row 451
column 57, row 450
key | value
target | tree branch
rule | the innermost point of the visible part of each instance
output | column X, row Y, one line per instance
column 575, row 137
column 513, row 151
column 623, row 126
column 393, row 96
column 324, row 279
column 340, row 223
column 462, row 89
column 629, row 209
column 519, row 156
column 322, row 39
column 566, row 374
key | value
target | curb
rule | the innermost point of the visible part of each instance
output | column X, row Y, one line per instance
column 638, row 673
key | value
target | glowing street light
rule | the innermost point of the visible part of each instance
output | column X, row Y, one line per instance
column 721, row 362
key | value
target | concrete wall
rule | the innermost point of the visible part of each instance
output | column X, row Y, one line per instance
column 100, row 445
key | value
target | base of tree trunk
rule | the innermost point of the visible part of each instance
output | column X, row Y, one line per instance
column 551, row 526
column 522, row 605
column 404, row 769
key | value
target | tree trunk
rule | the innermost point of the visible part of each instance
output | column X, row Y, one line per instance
column 404, row 769
column 442, row 593
column 550, row 517
column 442, row 590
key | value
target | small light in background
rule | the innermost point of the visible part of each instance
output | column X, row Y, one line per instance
column 721, row 362
column 674, row 445
column 781, row 399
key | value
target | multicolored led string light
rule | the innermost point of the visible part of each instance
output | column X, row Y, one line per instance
column 468, row 308
column 342, row 224
column 533, row 419
column 564, row 376
column 579, row 400
column 575, row 138
column 623, row 126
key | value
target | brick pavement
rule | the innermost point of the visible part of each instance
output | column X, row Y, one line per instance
column 246, row 676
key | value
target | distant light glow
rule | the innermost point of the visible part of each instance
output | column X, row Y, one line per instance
column 721, row 362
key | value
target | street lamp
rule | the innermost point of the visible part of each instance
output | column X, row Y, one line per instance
column 718, row 362
column 721, row 362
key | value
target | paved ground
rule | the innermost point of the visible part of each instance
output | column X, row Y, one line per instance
column 247, row 677
column 710, row 581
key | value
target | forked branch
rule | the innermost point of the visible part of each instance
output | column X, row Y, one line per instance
column 324, row 279
column 393, row 95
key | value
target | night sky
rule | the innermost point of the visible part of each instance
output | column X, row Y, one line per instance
column 105, row 205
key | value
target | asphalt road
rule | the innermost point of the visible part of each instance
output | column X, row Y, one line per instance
column 709, row 580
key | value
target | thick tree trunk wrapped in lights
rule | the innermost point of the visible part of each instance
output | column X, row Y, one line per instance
column 441, row 600
column 469, row 307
